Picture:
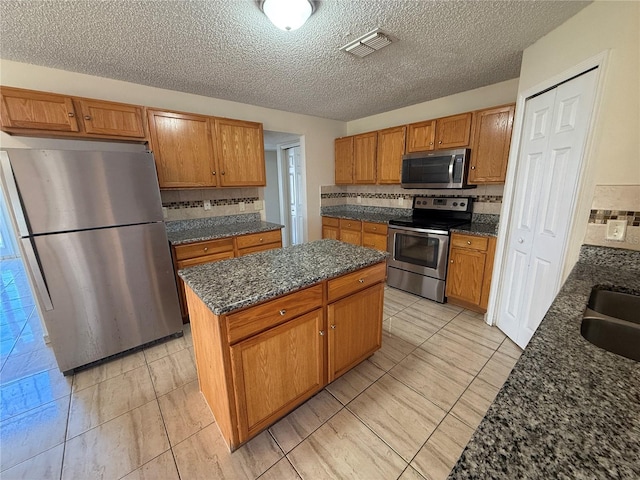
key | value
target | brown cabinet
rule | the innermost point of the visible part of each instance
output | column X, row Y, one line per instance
column 470, row 269
column 351, row 231
column 344, row 160
column 109, row 118
column 257, row 364
column 30, row 110
column 421, row 136
column 240, row 158
column 331, row 228
column 183, row 148
column 364, row 158
column 258, row 242
column 453, row 131
column 374, row 235
column 491, row 142
column 366, row 234
column 391, row 146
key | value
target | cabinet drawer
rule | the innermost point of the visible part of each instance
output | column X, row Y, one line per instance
column 258, row 248
column 200, row 249
column 350, row 224
column 190, row 262
column 274, row 312
column 354, row 281
column 330, row 221
column 469, row 241
column 373, row 240
column 255, row 239
column 379, row 228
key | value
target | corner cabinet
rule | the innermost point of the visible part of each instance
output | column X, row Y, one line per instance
column 491, row 143
column 240, row 156
column 470, row 268
column 257, row 364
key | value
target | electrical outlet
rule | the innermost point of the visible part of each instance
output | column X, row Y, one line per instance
column 257, row 205
column 616, row 230
column 207, row 204
column 241, row 206
column 165, row 212
column 359, row 199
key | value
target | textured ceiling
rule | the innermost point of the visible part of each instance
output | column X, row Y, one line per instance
column 229, row 49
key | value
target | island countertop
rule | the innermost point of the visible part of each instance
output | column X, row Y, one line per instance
column 244, row 281
column 569, row 409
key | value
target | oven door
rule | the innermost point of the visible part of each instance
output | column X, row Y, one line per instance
column 419, row 251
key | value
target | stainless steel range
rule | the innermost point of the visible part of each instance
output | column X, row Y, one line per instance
column 419, row 244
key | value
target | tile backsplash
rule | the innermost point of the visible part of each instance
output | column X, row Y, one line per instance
column 614, row 202
column 189, row 204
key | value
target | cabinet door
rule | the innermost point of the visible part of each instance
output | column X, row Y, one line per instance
column 421, row 136
column 374, row 240
column 364, row 157
column 330, row 232
column 351, row 236
column 454, row 131
column 355, row 329
column 240, row 153
column 344, row 160
column 465, row 275
column 390, row 150
column 183, row 149
column 107, row 118
column 277, row 370
column 491, row 142
column 39, row 111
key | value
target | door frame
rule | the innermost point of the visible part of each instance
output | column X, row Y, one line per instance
column 585, row 184
column 283, row 173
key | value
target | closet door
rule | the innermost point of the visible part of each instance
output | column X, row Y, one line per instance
column 550, row 163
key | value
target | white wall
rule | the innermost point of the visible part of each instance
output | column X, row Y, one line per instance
column 272, row 190
column 489, row 96
column 318, row 133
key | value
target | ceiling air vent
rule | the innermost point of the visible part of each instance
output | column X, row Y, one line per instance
column 368, row 43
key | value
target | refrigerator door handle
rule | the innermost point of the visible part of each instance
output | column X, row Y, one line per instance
column 31, row 258
column 14, row 197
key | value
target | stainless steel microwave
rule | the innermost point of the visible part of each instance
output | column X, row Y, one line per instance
column 438, row 169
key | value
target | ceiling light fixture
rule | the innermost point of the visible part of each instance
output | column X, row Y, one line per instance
column 287, row 15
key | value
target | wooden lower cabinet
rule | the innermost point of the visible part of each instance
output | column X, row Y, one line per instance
column 331, row 228
column 351, row 231
column 257, row 364
column 366, row 234
column 470, row 269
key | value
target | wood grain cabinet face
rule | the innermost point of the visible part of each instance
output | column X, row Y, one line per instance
column 491, row 142
column 364, row 158
column 183, row 149
column 330, row 228
column 351, row 231
column 343, row 160
column 453, row 131
column 277, row 369
column 374, row 235
column 108, row 118
column 421, row 136
column 240, row 153
column 26, row 109
column 391, row 146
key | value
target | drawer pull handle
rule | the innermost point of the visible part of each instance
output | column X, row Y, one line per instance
column 468, row 243
column 71, row 114
column 361, row 280
column 87, row 117
column 333, row 327
column 283, row 312
column 261, row 240
column 321, row 333
column 440, row 142
column 451, row 261
column 213, row 172
column 206, row 248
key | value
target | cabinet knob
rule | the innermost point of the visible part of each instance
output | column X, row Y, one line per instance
column 431, row 143
column 283, row 312
column 213, row 172
column 321, row 333
column 348, row 224
column 375, row 228
column 439, row 142
column 468, row 243
column 473, row 167
column 521, row 240
column 222, row 173
column 261, row 240
column 333, row 327
column 451, row 261
column 361, row 280
column 206, row 248
column 71, row 114
column 87, row 117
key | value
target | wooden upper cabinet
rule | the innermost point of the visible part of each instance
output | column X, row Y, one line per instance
column 454, row 131
column 421, row 136
column 391, row 142
column 240, row 153
column 491, row 142
column 26, row 109
column 344, row 160
column 364, row 157
column 108, row 118
column 183, row 149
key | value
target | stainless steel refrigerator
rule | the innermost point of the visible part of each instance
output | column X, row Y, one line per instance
column 90, row 225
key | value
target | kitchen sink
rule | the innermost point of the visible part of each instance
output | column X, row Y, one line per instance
column 612, row 321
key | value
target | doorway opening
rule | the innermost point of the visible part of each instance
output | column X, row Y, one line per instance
column 284, row 195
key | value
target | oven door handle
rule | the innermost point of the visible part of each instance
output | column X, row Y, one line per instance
column 453, row 158
column 419, row 230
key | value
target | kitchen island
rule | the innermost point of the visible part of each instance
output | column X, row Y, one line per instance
column 271, row 329
column 569, row 409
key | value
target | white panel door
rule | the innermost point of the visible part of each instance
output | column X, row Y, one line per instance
column 550, row 163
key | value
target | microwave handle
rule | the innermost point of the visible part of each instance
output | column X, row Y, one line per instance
column 453, row 158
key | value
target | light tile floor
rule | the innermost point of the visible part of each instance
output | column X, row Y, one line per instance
column 407, row 412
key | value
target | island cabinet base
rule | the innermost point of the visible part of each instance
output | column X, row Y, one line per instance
column 257, row 364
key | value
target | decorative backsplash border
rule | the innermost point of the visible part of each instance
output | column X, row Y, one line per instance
column 214, row 202
column 409, row 196
column 601, row 216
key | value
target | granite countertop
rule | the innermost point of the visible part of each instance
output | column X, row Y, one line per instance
column 197, row 230
column 569, row 409
column 231, row 284
column 366, row 214
column 478, row 228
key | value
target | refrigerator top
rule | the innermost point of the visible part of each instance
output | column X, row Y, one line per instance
column 68, row 190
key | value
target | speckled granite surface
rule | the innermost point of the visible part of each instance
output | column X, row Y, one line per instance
column 569, row 409
column 201, row 229
column 240, row 282
column 474, row 228
column 367, row 214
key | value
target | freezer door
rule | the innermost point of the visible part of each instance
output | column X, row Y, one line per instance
column 65, row 190
column 111, row 290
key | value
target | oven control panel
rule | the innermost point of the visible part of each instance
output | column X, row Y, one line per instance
column 451, row 204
